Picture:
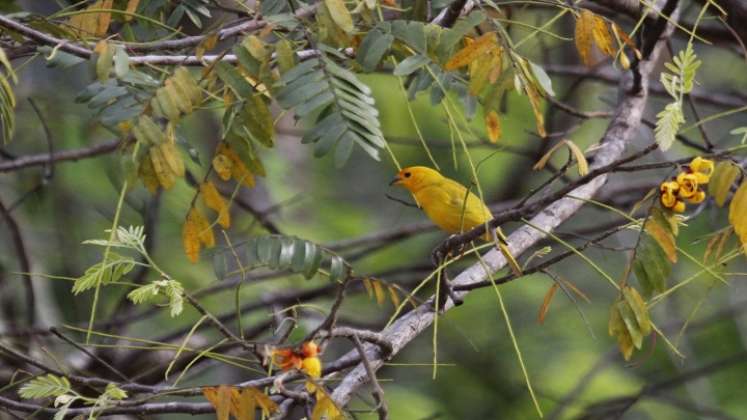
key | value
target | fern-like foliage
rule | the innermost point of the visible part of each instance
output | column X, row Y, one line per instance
column 282, row 253
column 348, row 113
column 679, row 81
column 7, row 98
column 45, row 386
column 170, row 289
column 668, row 123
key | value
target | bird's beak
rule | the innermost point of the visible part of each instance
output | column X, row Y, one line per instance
column 395, row 181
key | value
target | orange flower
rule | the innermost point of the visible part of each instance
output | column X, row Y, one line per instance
column 688, row 183
column 668, row 191
column 698, row 197
column 702, row 168
column 304, row 359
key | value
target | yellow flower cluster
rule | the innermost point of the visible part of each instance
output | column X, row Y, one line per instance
column 686, row 186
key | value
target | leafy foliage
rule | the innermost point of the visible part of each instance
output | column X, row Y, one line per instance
column 278, row 252
column 677, row 83
column 171, row 289
column 45, row 386
column 737, row 212
column 7, row 98
column 241, row 403
column 723, row 178
column 656, row 252
column 348, row 116
column 629, row 321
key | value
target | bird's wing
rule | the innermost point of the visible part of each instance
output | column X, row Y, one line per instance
column 474, row 210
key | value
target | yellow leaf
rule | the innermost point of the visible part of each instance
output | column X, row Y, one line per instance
column 621, row 35
column 239, row 171
column 379, row 292
column 546, row 302
column 602, row 37
column 212, row 199
column 616, row 328
column 534, row 101
column 148, row 175
column 161, row 168
column 222, row 166
column 340, row 14
column 267, row 405
column 131, row 8
column 584, row 35
column 367, row 285
column 723, row 177
column 738, row 213
column 493, row 126
column 243, row 404
column 395, row 296
column 325, row 408
column 206, row 44
column 486, row 68
column 105, row 61
column 639, row 308
column 659, row 228
column 191, row 237
column 583, row 164
column 220, row 398
column 172, row 157
column 472, row 51
column 575, row 289
column 93, row 24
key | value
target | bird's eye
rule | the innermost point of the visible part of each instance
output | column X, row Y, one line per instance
column 407, row 174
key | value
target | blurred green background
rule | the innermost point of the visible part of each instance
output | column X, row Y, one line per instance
column 480, row 377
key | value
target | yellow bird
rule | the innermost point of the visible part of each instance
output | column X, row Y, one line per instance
column 450, row 205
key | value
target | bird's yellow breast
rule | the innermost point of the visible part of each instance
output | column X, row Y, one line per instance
column 451, row 207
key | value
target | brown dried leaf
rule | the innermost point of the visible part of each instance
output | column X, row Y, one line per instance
column 546, row 302
column 493, row 126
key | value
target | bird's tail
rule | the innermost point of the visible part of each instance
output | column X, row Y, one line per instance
column 500, row 240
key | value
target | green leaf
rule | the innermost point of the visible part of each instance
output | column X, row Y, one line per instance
column 542, row 78
column 340, row 14
column 313, row 260
column 668, row 123
column 336, row 269
column 651, row 266
column 349, row 115
column 233, row 79
column 45, row 386
column 258, row 120
column 107, row 271
column 723, row 178
column 121, row 61
column 372, row 49
column 411, row 33
column 410, row 64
